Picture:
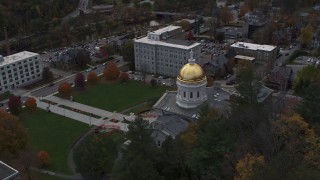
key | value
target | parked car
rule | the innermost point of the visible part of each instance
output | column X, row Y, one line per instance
column 51, row 84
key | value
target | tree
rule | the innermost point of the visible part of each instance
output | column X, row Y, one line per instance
column 127, row 51
column 79, row 80
column 249, row 85
column 189, row 36
column 246, row 166
column 88, row 163
column 92, row 77
column 43, row 158
column 65, row 89
column 252, row 3
column 297, row 151
column 210, row 81
column 47, row 75
column 305, row 36
column 243, row 10
column 171, row 164
column 305, row 78
column 185, row 25
column 263, row 35
column 225, row 15
column 13, row 137
column 153, row 82
column 31, row 104
column 83, row 58
column 111, row 72
column 138, row 160
column 213, row 142
column 219, row 37
column 15, row 104
column 124, row 77
column 309, row 107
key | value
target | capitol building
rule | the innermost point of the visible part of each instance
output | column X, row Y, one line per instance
column 191, row 83
column 176, row 109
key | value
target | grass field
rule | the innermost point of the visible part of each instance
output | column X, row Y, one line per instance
column 117, row 96
column 54, row 134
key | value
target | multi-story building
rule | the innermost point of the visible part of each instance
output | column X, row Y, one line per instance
column 164, row 51
column 18, row 70
column 263, row 54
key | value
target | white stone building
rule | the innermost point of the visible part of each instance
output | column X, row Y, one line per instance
column 164, row 51
column 18, row 70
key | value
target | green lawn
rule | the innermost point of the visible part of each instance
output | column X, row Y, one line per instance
column 117, row 96
column 54, row 134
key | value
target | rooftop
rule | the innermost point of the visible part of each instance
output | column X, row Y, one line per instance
column 166, row 29
column 217, row 98
column 17, row 57
column 248, row 58
column 170, row 125
column 252, row 46
column 7, row 172
column 166, row 43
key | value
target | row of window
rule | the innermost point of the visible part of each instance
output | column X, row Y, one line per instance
column 19, row 63
column 6, row 86
column 191, row 94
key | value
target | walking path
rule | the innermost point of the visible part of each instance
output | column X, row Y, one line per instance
column 106, row 116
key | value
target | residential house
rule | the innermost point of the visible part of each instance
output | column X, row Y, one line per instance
column 280, row 78
column 216, row 67
column 282, row 36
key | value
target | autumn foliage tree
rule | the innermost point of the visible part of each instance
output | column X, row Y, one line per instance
column 15, row 104
column 245, row 166
column 92, row 77
column 47, row 75
column 13, row 137
column 306, row 35
column 243, row 10
column 111, row 72
column 124, row 77
column 31, row 104
column 65, row 89
column 79, row 80
column 225, row 15
column 43, row 158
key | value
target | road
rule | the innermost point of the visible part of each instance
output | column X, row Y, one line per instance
column 83, row 5
column 283, row 58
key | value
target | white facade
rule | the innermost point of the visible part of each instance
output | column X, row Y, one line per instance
column 154, row 54
column 191, row 95
column 18, row 70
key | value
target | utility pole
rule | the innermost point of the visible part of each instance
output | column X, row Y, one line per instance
column 7, row 41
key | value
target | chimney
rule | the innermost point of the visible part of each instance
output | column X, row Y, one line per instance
column 7, row 41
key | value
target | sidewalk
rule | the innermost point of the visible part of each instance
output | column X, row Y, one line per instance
column 106, row 116
column 99, row 112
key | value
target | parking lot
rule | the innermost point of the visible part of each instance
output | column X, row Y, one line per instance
column 307, row 60
column 161, row 80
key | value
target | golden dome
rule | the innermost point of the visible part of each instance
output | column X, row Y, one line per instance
column 191, row 73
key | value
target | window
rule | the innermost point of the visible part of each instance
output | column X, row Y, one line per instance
column 191, row 95
column 184, row 94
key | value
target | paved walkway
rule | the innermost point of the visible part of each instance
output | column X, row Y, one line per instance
column 106, row 116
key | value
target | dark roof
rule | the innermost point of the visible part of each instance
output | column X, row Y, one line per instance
column 169, row 125
column 179, row 42
column 217, row 98
column 7, row 171
column 264, row 93
column 284, row 71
